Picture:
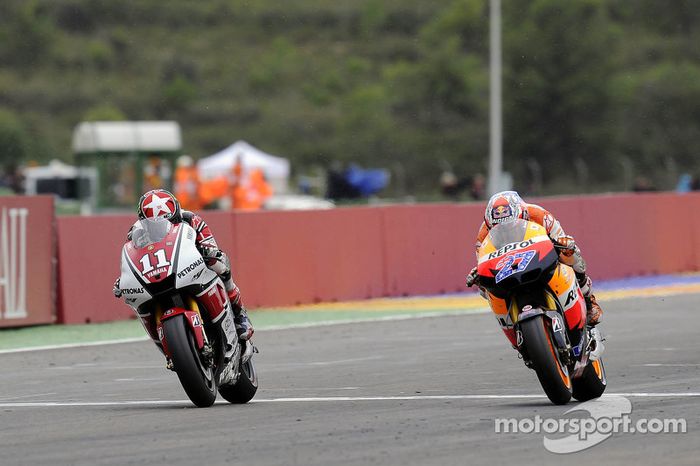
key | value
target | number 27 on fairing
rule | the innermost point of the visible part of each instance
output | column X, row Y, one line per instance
column 507, row 266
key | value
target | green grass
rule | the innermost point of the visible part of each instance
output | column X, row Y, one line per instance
column 49, row 335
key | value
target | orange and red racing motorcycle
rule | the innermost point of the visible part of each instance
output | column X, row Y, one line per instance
column 540, row 308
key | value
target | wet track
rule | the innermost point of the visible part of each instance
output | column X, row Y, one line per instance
column 421, row 391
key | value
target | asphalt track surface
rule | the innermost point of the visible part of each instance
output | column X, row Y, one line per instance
column 420, row 392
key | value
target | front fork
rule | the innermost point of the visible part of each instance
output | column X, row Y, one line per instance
column 556, row 325
column 193, row 317
column 589, row 348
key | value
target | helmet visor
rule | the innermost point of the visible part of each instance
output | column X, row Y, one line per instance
column 501, row 212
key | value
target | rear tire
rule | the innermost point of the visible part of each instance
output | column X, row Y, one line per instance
column 592, row 382
column 553, row 375
column 197, row 380
column 245, row 388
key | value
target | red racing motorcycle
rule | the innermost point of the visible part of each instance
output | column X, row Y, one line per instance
column 540, row 308
column 185, row 309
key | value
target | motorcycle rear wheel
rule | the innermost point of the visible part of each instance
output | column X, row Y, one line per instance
column 245, row 388
column 592, row 382
column 197, row 380
column 552, row 373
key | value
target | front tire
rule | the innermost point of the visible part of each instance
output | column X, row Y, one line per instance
column 592, row 382
column 197, row 380
column 245, row 388
column 552, row 373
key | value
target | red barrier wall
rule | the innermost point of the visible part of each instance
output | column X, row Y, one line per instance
column 632, row 234
column 89, row 249
column 428, row 247
column 283, row 258
column 27, row 253
column 286, row 258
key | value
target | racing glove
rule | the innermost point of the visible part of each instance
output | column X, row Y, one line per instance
column 472, row 278
column 216, row 260
column 566, row 245
column 116, row 290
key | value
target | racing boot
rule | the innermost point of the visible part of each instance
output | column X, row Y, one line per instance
column 244, row 328
column 593, row 310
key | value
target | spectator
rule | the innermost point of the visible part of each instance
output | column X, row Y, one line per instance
column 187, row 185
column 252, row 193
column 642, row 184
column 478, row 187
column 695, row 183
column 338, row 185
column 450, row 185
column 12, row 180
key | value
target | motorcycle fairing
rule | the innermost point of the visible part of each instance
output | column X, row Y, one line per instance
column 145, row 270
column 508, row 312
column 194, row 322
column 514, row 254
column 191, row 268
column 519, row 253
column 155, row 261
column 563, row 284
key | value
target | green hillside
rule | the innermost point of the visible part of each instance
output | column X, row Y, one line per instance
column 595, row 91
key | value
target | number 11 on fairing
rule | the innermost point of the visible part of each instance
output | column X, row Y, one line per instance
column 160, row 256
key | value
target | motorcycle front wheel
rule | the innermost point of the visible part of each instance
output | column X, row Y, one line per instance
column 552, row 373
column 197, row 380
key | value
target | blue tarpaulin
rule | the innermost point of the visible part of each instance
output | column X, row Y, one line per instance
column 367, row 181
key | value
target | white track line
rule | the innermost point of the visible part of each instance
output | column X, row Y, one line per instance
column 324, row 399
column 670, row 365
column 74, row 345
column 362, row 320
column 263, row 328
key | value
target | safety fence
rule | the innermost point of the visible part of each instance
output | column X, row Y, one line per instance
column 283, row 258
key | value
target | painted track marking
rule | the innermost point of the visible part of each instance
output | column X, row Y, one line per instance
column 326, row 399
column 448, row 305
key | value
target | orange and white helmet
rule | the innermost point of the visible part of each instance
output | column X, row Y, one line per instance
column 504, row 207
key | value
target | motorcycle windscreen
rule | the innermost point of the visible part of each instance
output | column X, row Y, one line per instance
column 508, row 233
column 515, row 253
column 150, row 231
column 505, row 237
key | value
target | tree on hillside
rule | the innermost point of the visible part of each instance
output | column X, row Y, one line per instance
column 559, row 59
column 15, row 142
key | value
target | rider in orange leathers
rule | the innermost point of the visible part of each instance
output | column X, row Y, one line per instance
column 507, row 206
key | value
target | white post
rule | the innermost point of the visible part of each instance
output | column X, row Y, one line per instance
column 11, row 290
column 21, row 305
column 4, row 280
column 13, row 263
column 496, row 124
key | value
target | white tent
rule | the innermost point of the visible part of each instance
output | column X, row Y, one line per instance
column 276, row 169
